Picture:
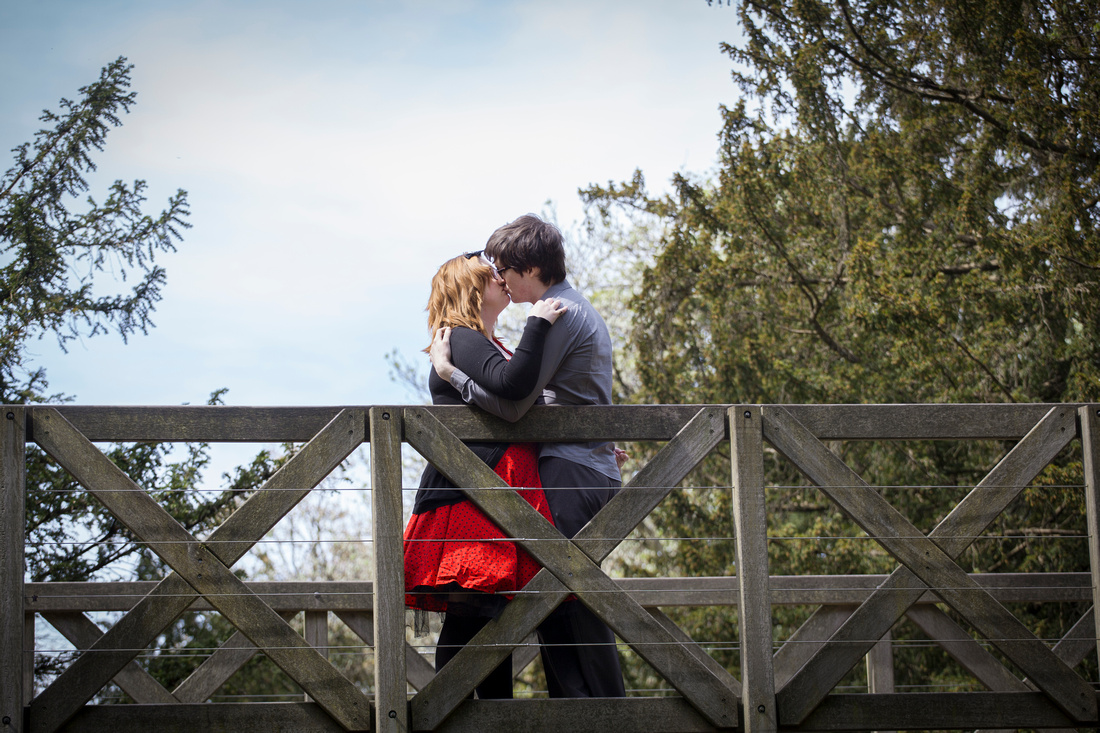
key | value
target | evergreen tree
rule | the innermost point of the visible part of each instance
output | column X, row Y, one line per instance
column 905, row 210
column 52, row 255
column 60, row 258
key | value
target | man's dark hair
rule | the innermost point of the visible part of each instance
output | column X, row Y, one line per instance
column 529, row 242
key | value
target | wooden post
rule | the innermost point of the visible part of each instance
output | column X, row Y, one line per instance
column 316, row 633
column 28, row 657
column 12, row 489
column 1090, row 450
column 751, row 526
column 880, row 668
column 390, row 687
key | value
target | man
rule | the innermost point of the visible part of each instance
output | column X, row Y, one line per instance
column 578, row 650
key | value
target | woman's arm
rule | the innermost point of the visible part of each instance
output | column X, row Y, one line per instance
column 559, row 343
column 511, row 379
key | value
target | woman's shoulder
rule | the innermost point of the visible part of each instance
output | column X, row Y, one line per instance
column 466, row 332
column 467, row 336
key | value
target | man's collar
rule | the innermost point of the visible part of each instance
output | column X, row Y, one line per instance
column 556, row 288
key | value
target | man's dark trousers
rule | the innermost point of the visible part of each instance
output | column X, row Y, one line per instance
column 578, row 649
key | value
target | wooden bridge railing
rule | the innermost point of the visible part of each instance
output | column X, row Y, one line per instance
column 792, row 687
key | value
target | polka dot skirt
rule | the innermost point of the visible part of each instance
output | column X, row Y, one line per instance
column 459, row 547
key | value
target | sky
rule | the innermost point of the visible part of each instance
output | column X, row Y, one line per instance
column 335, row 153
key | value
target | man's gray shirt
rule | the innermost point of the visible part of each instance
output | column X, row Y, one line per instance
column 576, row 370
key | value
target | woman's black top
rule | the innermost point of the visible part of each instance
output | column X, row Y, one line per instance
column 511, row 379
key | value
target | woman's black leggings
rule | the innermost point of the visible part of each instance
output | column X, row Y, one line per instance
column 455, row 634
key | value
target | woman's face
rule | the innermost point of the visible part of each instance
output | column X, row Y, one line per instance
column 494, row 298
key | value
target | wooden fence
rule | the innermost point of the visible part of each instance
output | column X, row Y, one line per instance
column 792, row 687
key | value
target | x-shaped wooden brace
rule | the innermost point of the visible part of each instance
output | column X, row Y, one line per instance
column 927, row 562
column 82, row 632
column 201, row 568
column 572, row 566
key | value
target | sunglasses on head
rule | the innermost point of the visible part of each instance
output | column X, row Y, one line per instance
column 480, row 254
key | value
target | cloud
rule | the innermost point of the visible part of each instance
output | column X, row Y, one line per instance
column 336, row 153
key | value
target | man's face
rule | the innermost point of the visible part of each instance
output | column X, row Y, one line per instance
column 523, row 287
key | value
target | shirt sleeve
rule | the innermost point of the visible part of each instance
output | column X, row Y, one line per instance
column 482, row 363
column 557, row 346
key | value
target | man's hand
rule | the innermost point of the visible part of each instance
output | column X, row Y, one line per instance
column 548, row 309
column 441, row 354
column 621, row 457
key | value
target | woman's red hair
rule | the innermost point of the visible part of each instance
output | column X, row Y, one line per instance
column 456, row 295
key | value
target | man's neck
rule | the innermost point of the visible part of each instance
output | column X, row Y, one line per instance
column 538, row 292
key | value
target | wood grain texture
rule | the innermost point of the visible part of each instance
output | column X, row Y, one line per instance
column 172, row 596
column 215, row 670
column 835, row 712
column 637, row 715
column 936, row 711
column 595, row 715
column 451, row 685
column 1089, row 416
column 919, row 422
column 28, row 658
column 806, row 640
column 199, row 423
column 12, row 522
column 316, row 631
column 256, row 717
column 785, row 590
column 963, row 648
column 880, row 666
column 204, row 571
column 751, row 530
column 216, row 424
column 932, row 565
column 524, row 655
column 1078, row 641
column 801, row 590
column 418, row 671
column 303, row 595
column 574, row 570
column 902, row 588
column 388, row 568
column 82, row 632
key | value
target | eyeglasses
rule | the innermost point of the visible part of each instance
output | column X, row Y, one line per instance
column 480, row 254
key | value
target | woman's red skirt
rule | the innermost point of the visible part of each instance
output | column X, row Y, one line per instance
column 456, row 548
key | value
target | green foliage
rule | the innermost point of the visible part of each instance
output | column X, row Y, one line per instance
column 53, row 264
column 50, row 255
column 319, row 540
column 53, row 260
column 905, row 210
column 193, row 638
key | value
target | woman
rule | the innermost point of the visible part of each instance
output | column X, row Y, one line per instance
column 455, row 561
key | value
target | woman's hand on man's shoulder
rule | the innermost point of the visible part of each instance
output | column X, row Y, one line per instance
column 549, row 309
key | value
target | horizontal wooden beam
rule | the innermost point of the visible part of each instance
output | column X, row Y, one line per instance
column 920, row 422
column 222, row 424
column 122, row 596
column 197, row 423
column 239, row 717
column 578, row 715
column 843, row 590
column 935, row 710
column 895, row 711
column 786, row 590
